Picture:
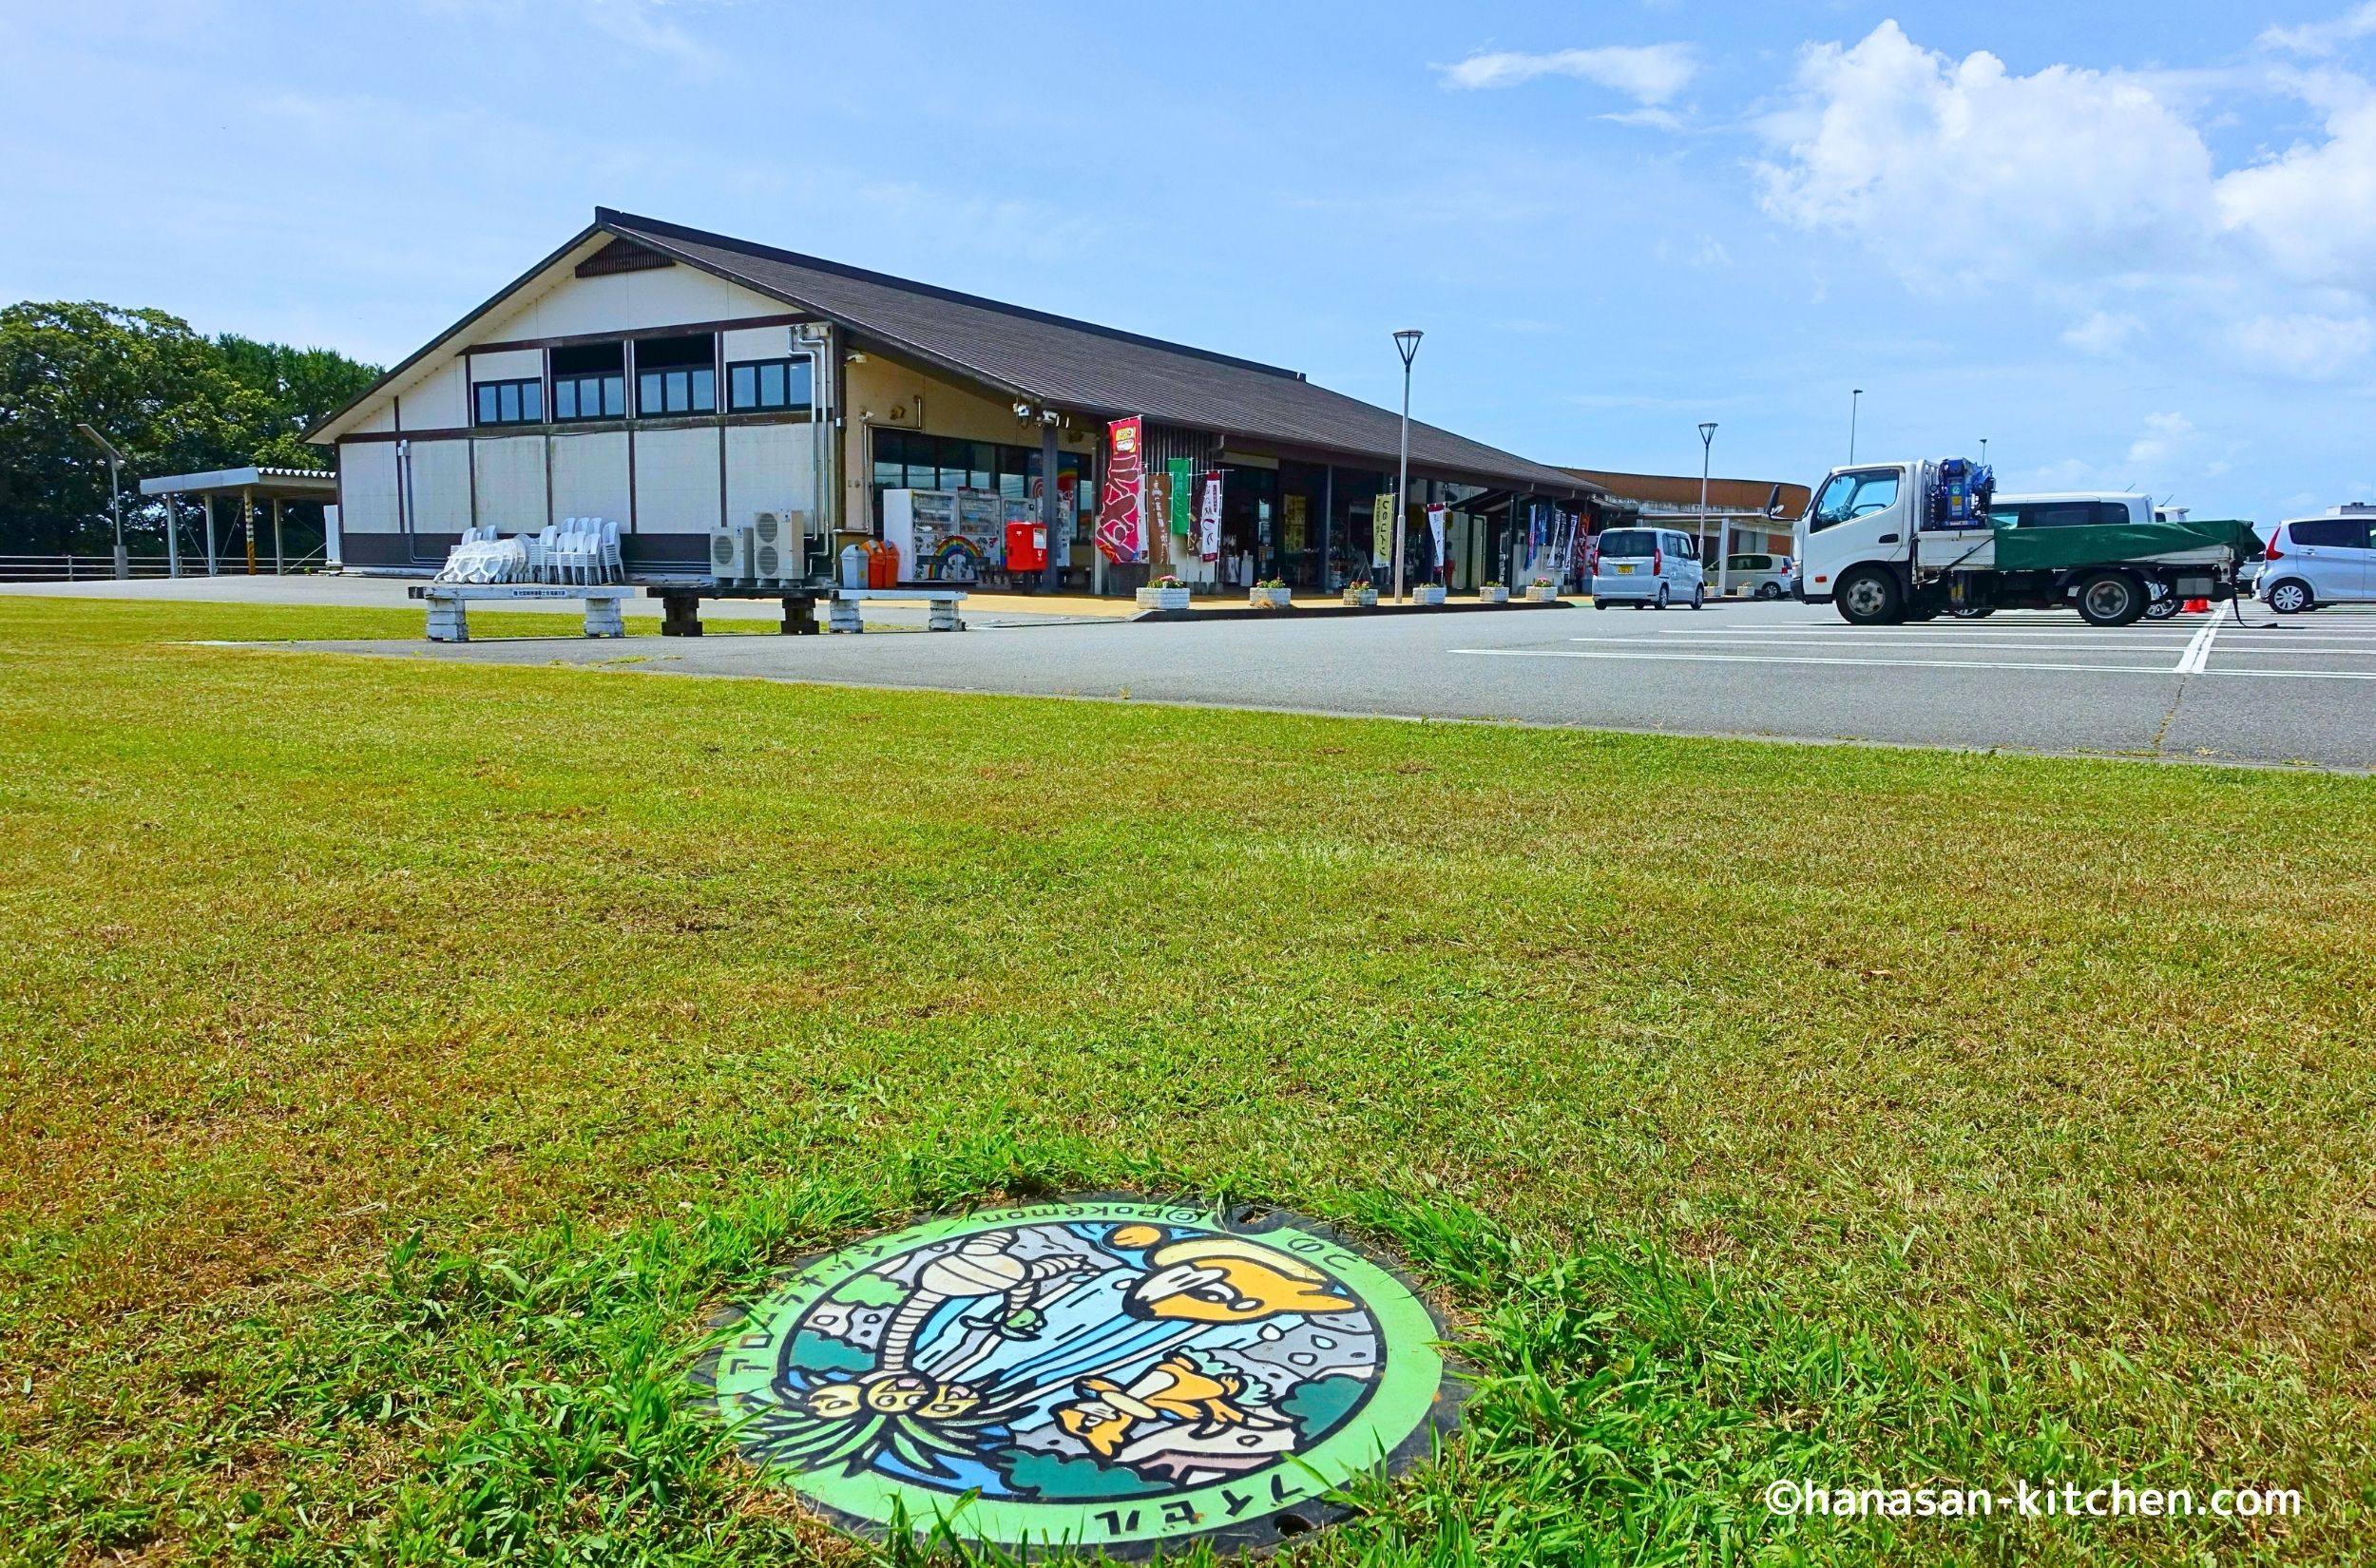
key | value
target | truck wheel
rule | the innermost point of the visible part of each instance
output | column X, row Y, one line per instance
column 2111, row 599
column 1869, row 597
column 2292, row 597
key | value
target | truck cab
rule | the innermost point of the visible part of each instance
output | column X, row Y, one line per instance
column 1855, row 536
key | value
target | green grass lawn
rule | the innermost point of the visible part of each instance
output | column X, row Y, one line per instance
column 398, row 1061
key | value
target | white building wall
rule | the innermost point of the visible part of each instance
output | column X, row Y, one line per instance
column 758, row 343
column 512, row 482
column 676, row 481
column 508, row 365
column 626, row 302
column 440, row 480
column 590, row 476
column 770, row 467
column 366, row 483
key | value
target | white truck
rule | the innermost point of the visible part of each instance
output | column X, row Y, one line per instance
column 1891, row 542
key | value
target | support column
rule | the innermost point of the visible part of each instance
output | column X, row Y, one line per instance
column 279, row 563
column 1328, row 517
column 1052, row 577
column 173, row 537
column 247, row 527
column 214, row 562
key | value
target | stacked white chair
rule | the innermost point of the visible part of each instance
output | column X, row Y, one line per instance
column 614, row 565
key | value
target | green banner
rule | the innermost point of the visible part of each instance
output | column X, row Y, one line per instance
column 1183, row 508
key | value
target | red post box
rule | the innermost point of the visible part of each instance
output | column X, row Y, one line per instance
column 1026, row 547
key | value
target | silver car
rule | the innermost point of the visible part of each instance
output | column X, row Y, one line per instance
column 1647, row 568
column 2313, row 562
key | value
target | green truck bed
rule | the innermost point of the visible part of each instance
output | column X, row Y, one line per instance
column 2066, row 550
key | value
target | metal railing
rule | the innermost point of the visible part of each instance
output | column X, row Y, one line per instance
column 98, row 569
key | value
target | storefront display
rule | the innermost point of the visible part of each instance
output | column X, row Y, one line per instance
column 945, row 535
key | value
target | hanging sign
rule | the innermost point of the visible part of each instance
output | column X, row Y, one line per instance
column 1382, row 530
column 1121, row 532
column 1209, row 520
column 1183, row 489
column 1158, row 503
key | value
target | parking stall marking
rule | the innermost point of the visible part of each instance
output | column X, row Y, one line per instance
column 2198, row 650
column 1646, row 654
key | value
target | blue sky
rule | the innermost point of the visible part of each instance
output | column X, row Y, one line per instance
column 2131, row 244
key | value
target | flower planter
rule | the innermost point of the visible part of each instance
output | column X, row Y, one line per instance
column 1541, row 593
column 1363, row 596
column 1430, row 593
column 1269, row 598
column 1162, row 598
column 1493, row 596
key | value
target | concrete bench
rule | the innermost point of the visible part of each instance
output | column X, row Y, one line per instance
column 450, row 616
column 844, row 613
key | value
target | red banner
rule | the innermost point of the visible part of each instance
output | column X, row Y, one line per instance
column 1121, row 510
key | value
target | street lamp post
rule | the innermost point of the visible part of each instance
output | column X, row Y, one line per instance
column 1707, row 448
column 1855, row 394
column 1406, row 344
column 1983, row 451
column 115, row 495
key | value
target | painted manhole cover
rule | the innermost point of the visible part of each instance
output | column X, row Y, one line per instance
column 1098, row 1373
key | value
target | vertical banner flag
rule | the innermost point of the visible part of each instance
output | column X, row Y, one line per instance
column 1121, row 509
column 1435, row 533
column 1382, row 530
column 1184, row 478
column 1209, row 520
column 1292, row 538
column 1159, row 505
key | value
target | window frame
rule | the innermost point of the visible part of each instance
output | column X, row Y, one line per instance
column 522, row 387
column 757, row 367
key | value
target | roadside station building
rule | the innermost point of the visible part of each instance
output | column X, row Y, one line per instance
column 1751, row 516
column 677, row 382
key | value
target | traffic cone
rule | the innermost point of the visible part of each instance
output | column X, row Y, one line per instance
column 2197, row 606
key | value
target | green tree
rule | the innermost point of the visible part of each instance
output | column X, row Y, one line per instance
column 172, row 400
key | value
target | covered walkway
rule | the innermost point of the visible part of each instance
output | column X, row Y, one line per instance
column 276, row 487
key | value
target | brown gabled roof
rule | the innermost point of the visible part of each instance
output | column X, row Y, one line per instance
column 1665, row 489
column 1083, row 368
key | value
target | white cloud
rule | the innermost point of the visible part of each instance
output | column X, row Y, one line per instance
column 2312, row 210
column 2105, row 331
column 1650, row 74
column 2324, row 37
column 639, row 25
column 2306, row 347
column 2165, row 434
column 1961, row 169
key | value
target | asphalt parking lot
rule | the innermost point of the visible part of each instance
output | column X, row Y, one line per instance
column 2299, row 692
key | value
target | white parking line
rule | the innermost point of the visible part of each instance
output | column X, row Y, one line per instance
column 1652, row 656
column 2198, row 651
column 2074, row 646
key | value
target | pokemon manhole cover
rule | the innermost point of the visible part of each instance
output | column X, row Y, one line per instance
column 1094, row 1373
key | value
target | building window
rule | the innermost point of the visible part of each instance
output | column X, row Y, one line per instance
column 759, row 384
column 508, row 403
column 676, row 375
column 590, row 381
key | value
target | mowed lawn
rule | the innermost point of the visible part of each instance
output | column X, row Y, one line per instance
column 399, row 1061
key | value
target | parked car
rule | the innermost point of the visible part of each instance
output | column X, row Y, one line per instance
column 2313, row 562
column 1757, row 576
column 1648, row 567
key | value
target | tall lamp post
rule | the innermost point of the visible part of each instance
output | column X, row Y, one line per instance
column 115, row 494
column 1983, row 451
column 1855, row 394
column 1707, row 448
column 1406, row 344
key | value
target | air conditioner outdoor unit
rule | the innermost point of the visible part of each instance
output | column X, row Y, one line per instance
column 730, row 554
column 779, row 546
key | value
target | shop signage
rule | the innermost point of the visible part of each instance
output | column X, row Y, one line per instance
column 1382, row 530
column 1095, row 1373
column 1121, row 509
column 1435, row 533
column 1183, row 477
column 1209, row 520
column 1291, row 523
